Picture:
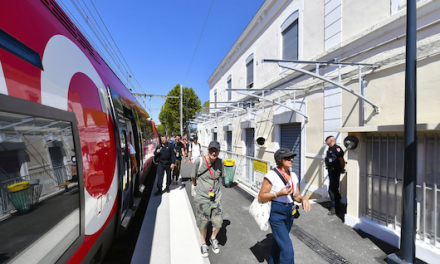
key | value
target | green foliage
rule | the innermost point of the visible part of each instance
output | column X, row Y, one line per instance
column 160, row 129
column 169, row 116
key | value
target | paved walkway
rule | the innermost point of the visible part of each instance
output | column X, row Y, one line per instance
column 169, row 234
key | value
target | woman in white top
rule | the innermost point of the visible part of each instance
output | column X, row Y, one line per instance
column 282, row 208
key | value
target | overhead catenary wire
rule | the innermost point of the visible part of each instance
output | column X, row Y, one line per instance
column 102, row 39
column 114, row 58
column 198, row 42
column 116, row 45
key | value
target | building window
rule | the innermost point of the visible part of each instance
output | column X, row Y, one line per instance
column 229, row 87
column 381, row 179
column 250, row 71
column 215, row 98
column 289, row 32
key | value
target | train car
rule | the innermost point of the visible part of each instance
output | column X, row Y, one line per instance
column 67, row 128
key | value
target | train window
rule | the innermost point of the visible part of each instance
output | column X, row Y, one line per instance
column 39, row 188
column 14, row 46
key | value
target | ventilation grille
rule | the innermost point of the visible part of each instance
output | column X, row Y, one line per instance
column 53, row 6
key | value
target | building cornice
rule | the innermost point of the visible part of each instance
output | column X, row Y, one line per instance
column 266, row 14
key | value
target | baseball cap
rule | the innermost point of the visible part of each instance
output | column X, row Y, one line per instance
column 195, row 136
column 283, row 153
column 214, row 144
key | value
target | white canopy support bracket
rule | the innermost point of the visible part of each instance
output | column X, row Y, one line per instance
column 289, row 65
column 275, row 102
column 253, row 113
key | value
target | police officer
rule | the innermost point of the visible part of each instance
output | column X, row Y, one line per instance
column 335, row 164
column 166, row 157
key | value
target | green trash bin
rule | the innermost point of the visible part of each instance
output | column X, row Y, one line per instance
column 20, row 196
column 229, row 172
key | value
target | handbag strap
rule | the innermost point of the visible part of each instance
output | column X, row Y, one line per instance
column 284, row 181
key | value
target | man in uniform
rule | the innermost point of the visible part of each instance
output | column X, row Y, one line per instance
column 166, row 156
column 335, row 164
column 179, row 150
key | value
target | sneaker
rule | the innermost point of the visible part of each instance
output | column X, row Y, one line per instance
column 332, row 211
column 205, row 251
column 159, row 192
column 167, row 189
column 214, row 244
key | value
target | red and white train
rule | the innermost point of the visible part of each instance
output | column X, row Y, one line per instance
column 66, row 122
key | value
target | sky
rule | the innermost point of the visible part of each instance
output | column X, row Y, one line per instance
column 158, row 39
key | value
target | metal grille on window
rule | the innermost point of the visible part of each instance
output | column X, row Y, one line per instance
column 382, row 180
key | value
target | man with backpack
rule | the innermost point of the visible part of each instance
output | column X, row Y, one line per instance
column 194, row 150
column 205, row 177
column 179, row 149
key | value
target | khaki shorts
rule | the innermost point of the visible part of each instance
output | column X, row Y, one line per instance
column 209, row 211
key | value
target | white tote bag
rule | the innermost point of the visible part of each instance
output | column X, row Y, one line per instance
column 261, row 213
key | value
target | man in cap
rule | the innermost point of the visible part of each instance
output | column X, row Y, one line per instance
column 194, row 150
column 206, row 182
column 335, row 163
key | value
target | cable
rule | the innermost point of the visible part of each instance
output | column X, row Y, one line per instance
column 207, row 16
column 116, row 46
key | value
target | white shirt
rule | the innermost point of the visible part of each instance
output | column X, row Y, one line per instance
column 195, row 150
column 131, row 149
column 277, row 184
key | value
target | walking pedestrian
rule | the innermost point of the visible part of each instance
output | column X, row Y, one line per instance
column 166, row 157
column 335, row 164
column 179, row 150
column 205, row 177
column 282, row 209
column 194, row 150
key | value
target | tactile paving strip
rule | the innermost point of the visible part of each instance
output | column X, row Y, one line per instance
column 322, row 250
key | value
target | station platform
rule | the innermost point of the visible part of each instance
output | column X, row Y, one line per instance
column 169, row 233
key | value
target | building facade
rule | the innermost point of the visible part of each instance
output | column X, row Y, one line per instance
column 348, row 78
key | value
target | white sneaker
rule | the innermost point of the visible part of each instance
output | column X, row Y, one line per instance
column 204, row 250
column 214, row 244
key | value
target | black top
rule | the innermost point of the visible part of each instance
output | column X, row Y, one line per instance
column 166, row 153
column 178, row 150
column 331, row 158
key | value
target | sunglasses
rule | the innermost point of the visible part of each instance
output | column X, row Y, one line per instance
column 287, row 159
column 213, row 150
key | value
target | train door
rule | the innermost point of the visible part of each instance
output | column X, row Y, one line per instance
column 121, row 114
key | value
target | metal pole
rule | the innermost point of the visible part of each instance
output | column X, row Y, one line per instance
column 408, row 231
column 181, row 109
column 187, row 124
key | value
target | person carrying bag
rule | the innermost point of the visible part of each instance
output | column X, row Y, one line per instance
column 282, row 191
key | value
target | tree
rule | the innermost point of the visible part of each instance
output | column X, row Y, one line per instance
column 169, row 116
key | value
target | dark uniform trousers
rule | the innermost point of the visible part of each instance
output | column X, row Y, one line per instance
column 334, row 172
column 161, row 167
column 334, row 176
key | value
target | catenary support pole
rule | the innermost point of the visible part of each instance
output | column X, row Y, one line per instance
column 181, row 109
column 408, row 230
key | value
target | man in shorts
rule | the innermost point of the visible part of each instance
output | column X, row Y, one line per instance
column 206, row 181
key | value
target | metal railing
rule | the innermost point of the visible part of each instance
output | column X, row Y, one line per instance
column 247, row 170
column 382, row 181
column 49, row 179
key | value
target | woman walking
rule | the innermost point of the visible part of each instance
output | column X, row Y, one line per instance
column 282, row 210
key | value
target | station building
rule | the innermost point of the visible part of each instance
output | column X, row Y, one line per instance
column 302, row 70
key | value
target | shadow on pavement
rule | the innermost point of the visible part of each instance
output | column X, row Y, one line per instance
column 221, row 236
column 261, row 249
